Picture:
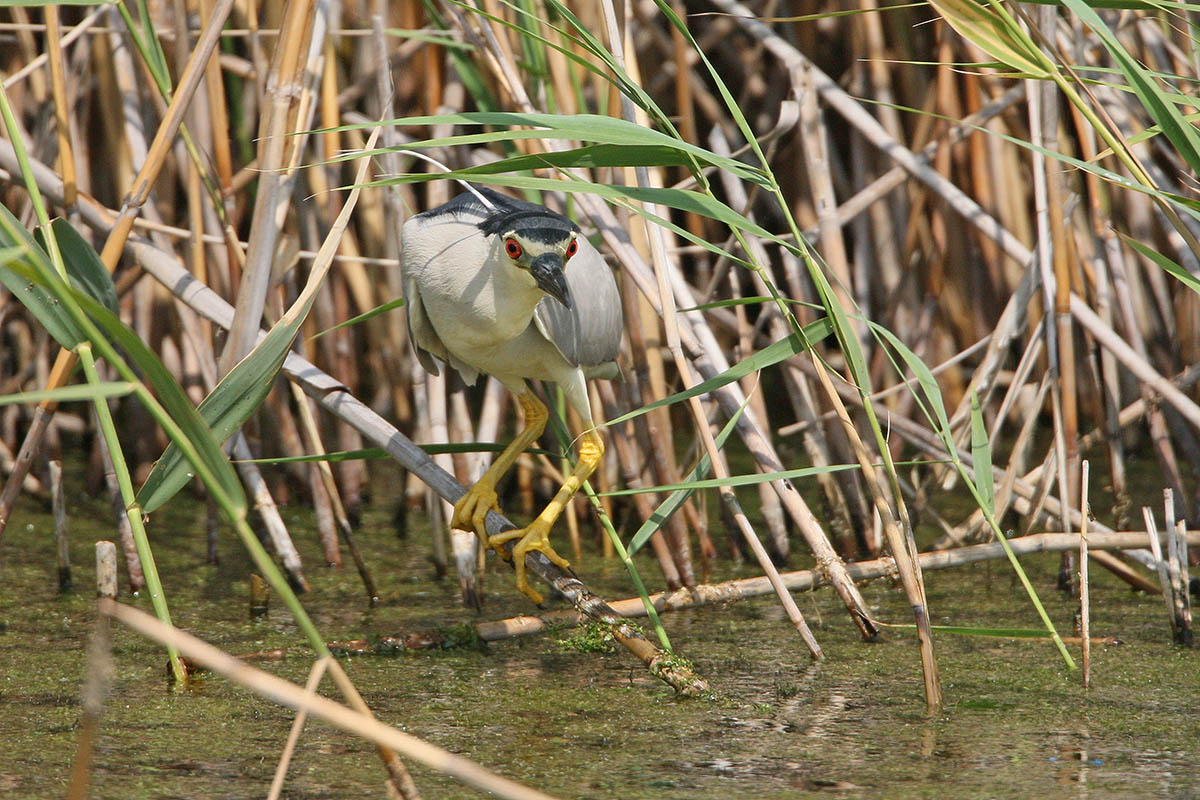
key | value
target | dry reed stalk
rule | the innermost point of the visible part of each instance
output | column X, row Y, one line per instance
column 816, row 158
column 898, row 529
column 682, row 56
column 351, row 280
column 66, row 153
column 809, row 580
column 398, row 775
column 260, row 497
column 287, row 83
column 1052, row 265
column 1107, row 247
column 1085, row 609
column 323, row 517
column 260, row 596
column 1181, row 549
column 1064, row 255
column 770, row 508
column 348, row 719
column 658, row 421
column 626, row 438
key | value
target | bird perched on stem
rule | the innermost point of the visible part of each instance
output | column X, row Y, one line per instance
column 510, row 288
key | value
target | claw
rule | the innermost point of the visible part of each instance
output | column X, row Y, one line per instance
column 472, row 509
column 534, row 537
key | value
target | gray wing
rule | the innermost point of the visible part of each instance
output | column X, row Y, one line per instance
column 423, row 242
column 421, row 334
column 589, row 333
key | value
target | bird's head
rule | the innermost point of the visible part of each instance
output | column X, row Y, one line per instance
column 538, row 242
column 543, row 253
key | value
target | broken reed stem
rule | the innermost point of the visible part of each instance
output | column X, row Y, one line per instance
column 1160, row 564
column 1085, row 612
column 58, row 504
column 1181, row 611
column 1181, row 547
column 98, row 679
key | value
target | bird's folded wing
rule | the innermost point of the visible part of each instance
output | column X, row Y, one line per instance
column 589, row 333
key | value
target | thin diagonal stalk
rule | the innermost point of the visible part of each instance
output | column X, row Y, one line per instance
column 133, row 511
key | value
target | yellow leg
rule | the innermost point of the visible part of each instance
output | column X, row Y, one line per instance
column 472, row 507
column 537, row 535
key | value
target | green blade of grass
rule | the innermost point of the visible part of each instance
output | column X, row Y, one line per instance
column 84, row 267
column 1182, row 135
column 941, row 427
column 620, row 136
column 752, row 479
column 68, row 394
column 993, row 30
column 1185, row 277
column 18, row 274
column 981, row 454
column 363, row 317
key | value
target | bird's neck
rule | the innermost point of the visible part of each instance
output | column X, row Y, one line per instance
column 515, row 289
column 505, row 307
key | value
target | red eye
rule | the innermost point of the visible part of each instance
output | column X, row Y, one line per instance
column 573, row 248
column 512, row 248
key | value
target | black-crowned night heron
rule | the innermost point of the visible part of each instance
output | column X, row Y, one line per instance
column 510, row 288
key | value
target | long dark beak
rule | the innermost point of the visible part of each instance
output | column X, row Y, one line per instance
column 547, row 270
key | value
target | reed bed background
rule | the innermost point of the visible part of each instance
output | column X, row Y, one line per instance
column 898, row 252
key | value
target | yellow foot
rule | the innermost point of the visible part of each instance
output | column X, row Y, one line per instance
column 534, row 537
column 472, row 508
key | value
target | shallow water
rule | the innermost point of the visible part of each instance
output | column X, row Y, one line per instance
column 586, row 724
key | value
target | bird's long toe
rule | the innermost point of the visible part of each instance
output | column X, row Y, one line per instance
column 535, row 537
column 471, row 510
